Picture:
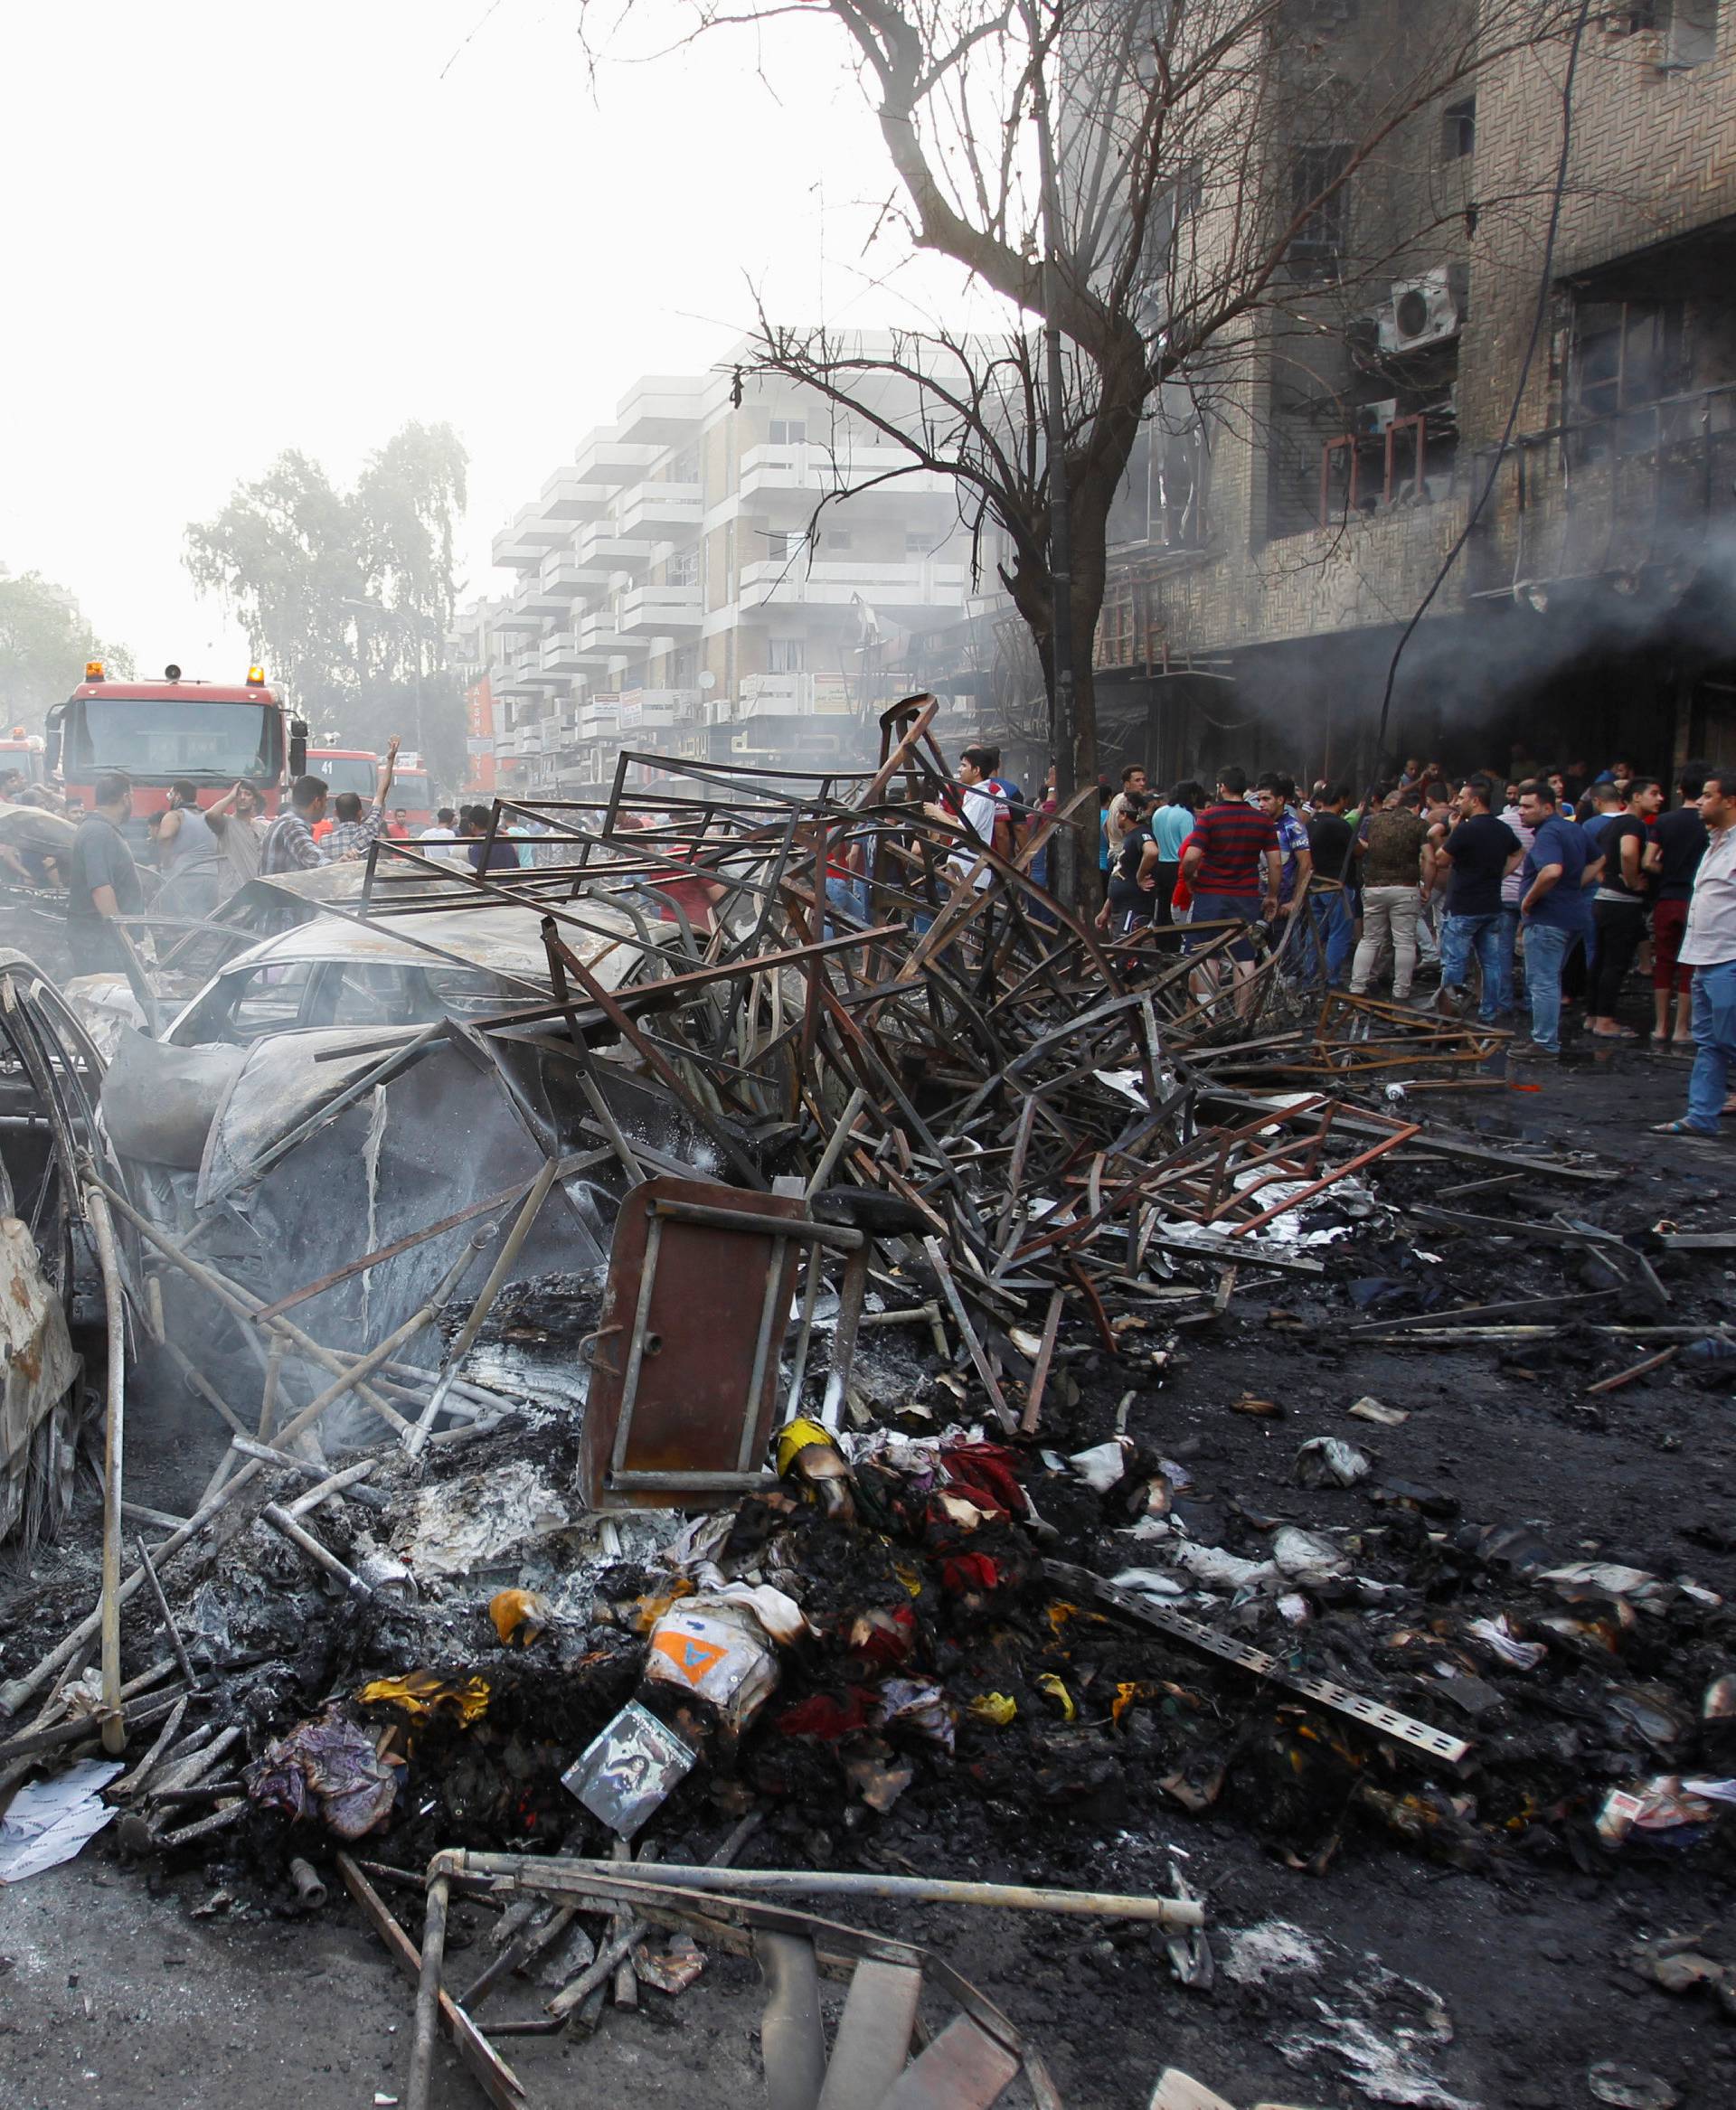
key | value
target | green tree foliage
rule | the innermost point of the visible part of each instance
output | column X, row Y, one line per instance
column 44, row 641
column 346, row 596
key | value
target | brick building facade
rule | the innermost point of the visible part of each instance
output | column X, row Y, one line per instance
column 1590, row 613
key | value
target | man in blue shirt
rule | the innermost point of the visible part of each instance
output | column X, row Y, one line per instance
column 1555, row 907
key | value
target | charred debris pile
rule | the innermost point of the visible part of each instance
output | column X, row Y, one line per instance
column 682, row 1406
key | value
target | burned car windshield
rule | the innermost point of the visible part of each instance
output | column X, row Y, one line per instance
column 253, row 1001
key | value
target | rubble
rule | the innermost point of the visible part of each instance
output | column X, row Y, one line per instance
column 715, row 1376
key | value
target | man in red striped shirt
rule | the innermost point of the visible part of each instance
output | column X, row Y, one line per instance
column 1233, row 867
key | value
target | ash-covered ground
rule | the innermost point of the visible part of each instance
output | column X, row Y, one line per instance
column 1382, row 1928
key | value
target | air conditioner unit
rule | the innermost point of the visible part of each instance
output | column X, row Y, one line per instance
column 1422, row 311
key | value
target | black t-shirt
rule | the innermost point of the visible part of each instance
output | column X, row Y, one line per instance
column 1123, row 882
column 1613, row 886
column 1681, row 840
column 1330, row 837
column 1479, row 849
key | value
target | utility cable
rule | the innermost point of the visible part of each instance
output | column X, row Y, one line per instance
column 1545, row 289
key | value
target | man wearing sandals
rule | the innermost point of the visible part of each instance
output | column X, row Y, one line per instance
column 1709, row 948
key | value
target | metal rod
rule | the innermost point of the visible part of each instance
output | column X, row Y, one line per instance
column 370, row 1497
column 484, row 1305
column 1045, row 1355
column 838, row 1142
column 573, row 1876
column 428, row 1992
column 102, row 1230
column 931, row 1246
column 323, row 1556
column 493, row 2075
column 167, row 1617
column 339, row 1482
column 837, row 1236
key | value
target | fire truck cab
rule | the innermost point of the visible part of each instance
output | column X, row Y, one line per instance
column 356, row 769
column 25, row 752
column 159, row 733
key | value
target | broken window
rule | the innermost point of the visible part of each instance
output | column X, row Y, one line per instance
column 1458, row 130
column 1626, row 355
column 1161, row 501
column 1319, row 203
column 1690, row 32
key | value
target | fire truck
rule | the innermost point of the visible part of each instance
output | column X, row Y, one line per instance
column 358, row 769
column 23, row 751
column 159, row 733
column 353, row 769
column 413, row 789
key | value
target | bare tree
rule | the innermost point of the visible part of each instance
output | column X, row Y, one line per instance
column 1171, row 187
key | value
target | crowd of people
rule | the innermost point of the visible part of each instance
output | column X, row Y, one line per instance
column 1531, row 897
column 1542, row 890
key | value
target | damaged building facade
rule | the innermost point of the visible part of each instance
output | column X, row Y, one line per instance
column 1287, row 511
column 696, row 583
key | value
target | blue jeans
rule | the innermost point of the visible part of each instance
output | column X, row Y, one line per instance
column 1547, row 946
column 1460, row 937
column 1714, row 1044
column 1334, row 935
column 1512, row 987
column 850, row 895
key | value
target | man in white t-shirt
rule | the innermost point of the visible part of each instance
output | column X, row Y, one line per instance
column 445, row 828
column 972, row 807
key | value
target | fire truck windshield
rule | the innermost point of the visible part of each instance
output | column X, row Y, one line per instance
column 410, row 790
column 345, row 772
column 164, row 737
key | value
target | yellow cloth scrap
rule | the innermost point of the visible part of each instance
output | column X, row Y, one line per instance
column 422, row 1694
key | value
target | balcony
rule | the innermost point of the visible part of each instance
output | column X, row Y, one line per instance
column 599, row 722
column 601, row 632
column 661, row 410
column 888, row 587
column 603, row 458
column 531, row 673
column 535, row 599
column 601, row 544
column 563, row 578
column 560, row 653
column 527, row 538
column 664, row 511
column 808, row 468
column 567, row 497
column 515, row 684
column 651, row 710
column 663, row 611
column 802, row 695
column 516, row 618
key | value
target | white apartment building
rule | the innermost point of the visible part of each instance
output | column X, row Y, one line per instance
column 679, row 588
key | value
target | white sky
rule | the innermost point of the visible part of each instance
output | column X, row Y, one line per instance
column 234, row 228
